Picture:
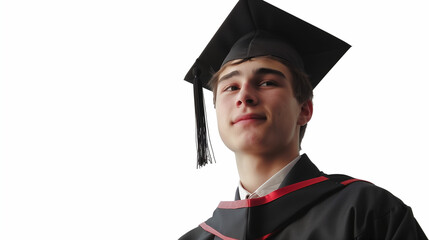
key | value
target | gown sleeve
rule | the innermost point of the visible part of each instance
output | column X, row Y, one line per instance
column 398, row 224
column 197, row 234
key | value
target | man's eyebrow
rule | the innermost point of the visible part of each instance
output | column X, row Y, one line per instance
column 229, row 75
column 269, row 71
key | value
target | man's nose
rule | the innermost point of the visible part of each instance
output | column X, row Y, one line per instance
column 247, row 96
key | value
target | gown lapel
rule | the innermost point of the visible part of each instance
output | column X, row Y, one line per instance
column 259, row 218
column 303, row 170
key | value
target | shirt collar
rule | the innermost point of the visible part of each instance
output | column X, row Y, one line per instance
column 270, row 185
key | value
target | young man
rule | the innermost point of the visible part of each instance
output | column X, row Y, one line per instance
column 263, row 100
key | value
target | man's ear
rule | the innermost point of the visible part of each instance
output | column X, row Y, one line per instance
column 306, row 112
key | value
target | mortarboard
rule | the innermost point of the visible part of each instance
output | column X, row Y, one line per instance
column 256, row 28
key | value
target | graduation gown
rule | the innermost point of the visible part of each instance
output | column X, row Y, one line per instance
column 312, row 205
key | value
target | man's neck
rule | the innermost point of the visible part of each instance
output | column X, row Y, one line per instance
column 254, row 170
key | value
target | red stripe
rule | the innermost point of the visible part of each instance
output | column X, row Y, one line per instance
column 266, row 236
column 213, row 231
column 270, row 197
column 347, row 182
column 344, row 183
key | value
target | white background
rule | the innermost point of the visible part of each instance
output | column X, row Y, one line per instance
column 97, row 126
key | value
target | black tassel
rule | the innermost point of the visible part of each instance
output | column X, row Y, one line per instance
column 204, row 147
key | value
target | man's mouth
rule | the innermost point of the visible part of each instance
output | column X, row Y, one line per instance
column 249, row 117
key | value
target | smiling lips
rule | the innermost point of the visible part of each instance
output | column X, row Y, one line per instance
column 249, row 117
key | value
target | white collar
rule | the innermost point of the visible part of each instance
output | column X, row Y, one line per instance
column 271, row 184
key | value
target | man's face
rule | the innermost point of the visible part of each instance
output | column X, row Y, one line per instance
column 256, row 108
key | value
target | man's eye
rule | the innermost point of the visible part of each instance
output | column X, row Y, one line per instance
column 231, row 88
column 267, row 83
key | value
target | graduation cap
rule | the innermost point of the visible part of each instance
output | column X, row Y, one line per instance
column 256, row 28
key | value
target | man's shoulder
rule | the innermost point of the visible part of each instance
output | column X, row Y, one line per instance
column 365, row 189
column 361, row 194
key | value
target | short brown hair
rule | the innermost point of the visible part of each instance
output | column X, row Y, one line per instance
column 301, row 86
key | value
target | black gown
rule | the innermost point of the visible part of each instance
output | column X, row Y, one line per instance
column 312, row 205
